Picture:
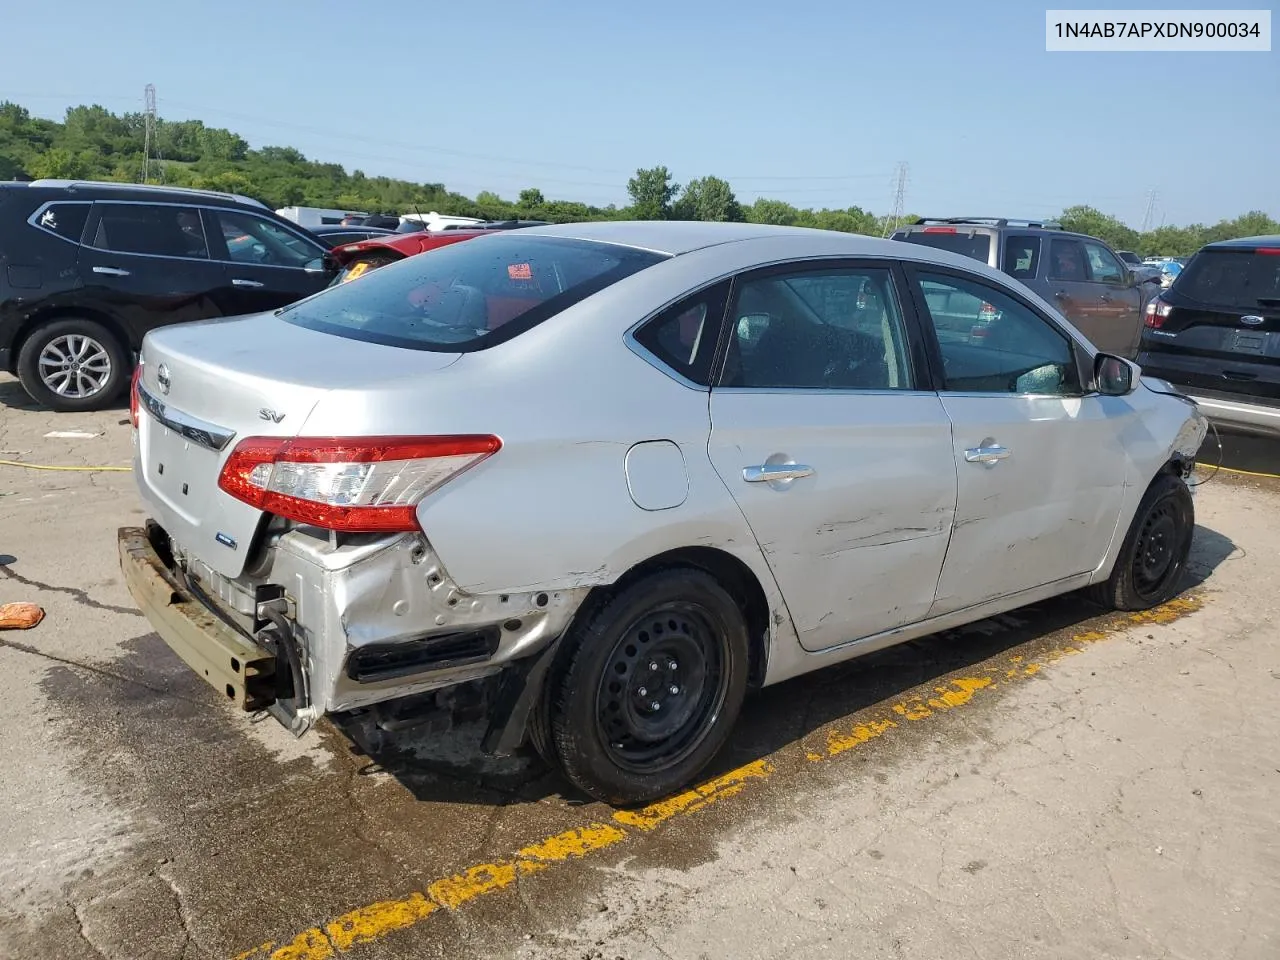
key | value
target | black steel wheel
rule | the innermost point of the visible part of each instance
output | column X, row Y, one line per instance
column 1153, row 558
column 649, row 687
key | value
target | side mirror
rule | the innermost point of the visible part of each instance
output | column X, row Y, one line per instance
column 1114, row 376
column 1134, row 279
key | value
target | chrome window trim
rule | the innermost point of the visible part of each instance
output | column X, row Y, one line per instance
column 33, row 220
column 200, row 432
column 166, row 256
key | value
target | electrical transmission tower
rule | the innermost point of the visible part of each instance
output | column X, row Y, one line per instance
column 150, row 143
column 899, row 198
column 1152, row 196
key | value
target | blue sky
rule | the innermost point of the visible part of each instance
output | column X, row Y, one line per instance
column 810, row 102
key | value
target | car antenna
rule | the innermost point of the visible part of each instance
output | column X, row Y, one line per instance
column 421, row 219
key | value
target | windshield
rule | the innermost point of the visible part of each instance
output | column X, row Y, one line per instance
column 1232, row 278
column 976, row 245
column 468, row 296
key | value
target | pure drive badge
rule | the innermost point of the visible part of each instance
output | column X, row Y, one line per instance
column 225, row 540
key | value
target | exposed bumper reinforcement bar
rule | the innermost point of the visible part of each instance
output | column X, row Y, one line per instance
column 240, row 670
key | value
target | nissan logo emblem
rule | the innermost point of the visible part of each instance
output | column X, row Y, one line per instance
column 162, row 379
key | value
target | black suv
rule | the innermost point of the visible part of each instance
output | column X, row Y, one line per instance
column 1085, row 279
column 1215, row 334
column 87, row 268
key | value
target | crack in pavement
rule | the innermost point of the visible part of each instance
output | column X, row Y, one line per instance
column 78, row 595
column 83, row 934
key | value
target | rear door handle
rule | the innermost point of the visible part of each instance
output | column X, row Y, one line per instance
column 988, row 455
column 1105, row 298
column 111, row 271
column 238, row 282
column 767, row 472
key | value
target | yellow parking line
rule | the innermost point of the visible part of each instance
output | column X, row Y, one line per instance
column 372, row 922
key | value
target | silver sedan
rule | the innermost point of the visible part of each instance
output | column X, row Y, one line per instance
column 614, row 476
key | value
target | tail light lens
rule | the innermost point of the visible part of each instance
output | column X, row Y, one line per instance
column 349, row 484
column 133, row 395
column 1157, row 313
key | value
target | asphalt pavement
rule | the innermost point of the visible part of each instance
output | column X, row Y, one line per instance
column 1052, row 783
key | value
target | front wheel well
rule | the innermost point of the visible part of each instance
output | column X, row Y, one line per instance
column 732, row 574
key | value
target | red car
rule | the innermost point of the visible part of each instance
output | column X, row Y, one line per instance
column 356, row 259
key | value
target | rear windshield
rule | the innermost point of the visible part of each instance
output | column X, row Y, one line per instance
column 1232, row 278
column 976, row 245
column 469, row 295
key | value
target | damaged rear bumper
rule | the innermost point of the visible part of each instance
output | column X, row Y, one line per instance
column 242, row 672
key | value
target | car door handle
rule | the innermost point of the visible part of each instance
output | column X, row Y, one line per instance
column 1105, row 298
column 1060, row 295
column 781, row 471
column 238, row 282
column 111, row 271
column 986, row 455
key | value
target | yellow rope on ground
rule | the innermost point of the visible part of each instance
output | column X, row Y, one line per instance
column 43, row 466
column 1250, row 473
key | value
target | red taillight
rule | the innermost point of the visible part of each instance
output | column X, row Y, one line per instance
column 349, row 484
column 133, row 395
column 1157, row 313
column 987, row 311
column 939, row 229
column 1272, row 251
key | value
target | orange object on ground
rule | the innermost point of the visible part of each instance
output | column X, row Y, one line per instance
column 20, row 616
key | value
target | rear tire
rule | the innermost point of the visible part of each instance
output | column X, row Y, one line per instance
column 73, row 365
column 1153, row 558
column 649, row 687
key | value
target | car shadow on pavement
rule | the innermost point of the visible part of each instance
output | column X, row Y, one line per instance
column 427, row 764
column 14, row 397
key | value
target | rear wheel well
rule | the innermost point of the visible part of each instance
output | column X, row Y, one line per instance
column 732, row 574
column 37, row 320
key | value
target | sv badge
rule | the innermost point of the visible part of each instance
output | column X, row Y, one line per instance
column 265, row 414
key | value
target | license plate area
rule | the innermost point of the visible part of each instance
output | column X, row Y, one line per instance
column 1246, row 341
column 181, row 472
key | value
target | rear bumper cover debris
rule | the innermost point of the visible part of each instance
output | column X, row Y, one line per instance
column 238, row 668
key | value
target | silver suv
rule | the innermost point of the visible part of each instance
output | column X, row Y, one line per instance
column 1095, row 289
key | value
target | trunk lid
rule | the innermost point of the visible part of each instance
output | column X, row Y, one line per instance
column 208, row 385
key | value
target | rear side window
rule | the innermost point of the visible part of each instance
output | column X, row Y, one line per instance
column 469, row 296
column 975, row 245
column 1232, row 278
column 158, row 230
column 1022, row 257
column 67, row 220
column 1066, row 261
column 684, row 336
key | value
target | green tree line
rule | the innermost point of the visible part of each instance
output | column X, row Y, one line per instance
column 93, row 143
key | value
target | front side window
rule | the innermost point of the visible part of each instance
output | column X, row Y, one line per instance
column 159, row 230
column 1008, row 349
column 838, row 329
column 470, row 295
column 251, row 239
column 1103, row 267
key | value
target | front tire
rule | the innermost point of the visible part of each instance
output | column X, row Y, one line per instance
column 1153, row 558
column 73, row 365
column 649, row 687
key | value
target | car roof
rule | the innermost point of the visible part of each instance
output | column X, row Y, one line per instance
column 159, row 192
column 1248, row 242
column 675, row 237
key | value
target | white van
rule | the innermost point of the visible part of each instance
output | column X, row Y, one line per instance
column 317, row 216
